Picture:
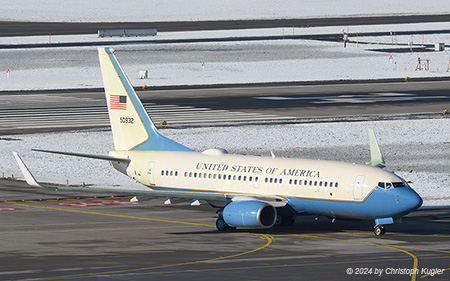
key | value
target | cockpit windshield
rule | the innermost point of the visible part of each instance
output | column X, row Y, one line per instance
column 389, row 185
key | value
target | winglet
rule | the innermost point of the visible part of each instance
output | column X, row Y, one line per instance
column 376, row 157
column 25, row 172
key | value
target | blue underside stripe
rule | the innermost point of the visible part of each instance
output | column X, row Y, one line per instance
column 377, row 205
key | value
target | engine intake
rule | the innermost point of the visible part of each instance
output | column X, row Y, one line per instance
column 250, row 214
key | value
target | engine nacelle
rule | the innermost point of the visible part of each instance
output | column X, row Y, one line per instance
column 250, row 214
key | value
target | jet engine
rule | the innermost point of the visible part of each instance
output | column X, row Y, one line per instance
column 249, row 214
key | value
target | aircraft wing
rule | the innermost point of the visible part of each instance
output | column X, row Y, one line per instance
column 433, row 208
column 142, row 195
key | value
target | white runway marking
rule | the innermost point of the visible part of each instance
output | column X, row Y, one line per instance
column 355, row 98
column 98, row 117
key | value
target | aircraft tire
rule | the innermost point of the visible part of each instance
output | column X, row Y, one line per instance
column 285, row 220
column 221, row 225
column 379, row 230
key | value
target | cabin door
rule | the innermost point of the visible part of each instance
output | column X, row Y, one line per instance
column 151, row 173
column 358, row 187
column 256, row 182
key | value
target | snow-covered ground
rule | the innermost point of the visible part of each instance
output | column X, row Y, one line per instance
column 225, row 62
column 417, row 150
column 201, row 10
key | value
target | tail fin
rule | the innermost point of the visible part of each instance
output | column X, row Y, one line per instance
column 131, row 126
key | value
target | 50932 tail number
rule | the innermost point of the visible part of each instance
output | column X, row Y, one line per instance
column 126, row 120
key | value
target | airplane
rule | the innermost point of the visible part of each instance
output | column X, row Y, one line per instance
column 248, row 191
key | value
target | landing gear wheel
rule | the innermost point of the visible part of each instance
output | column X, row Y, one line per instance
column 221, row 225
column 285, row 220
column 379, row 230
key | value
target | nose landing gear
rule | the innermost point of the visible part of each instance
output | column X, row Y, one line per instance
column 379, row 230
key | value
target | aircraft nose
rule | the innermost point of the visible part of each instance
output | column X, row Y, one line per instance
column 409, row 200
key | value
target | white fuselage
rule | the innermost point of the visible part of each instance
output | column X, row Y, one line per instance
column 253, row 175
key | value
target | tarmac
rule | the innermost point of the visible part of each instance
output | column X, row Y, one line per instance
column 70, row 236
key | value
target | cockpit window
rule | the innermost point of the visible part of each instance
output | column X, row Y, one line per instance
column 400, row 184
column 385, row 185
column 389, row 185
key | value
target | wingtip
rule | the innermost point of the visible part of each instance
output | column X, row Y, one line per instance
column 376, row 157
column 29, row 178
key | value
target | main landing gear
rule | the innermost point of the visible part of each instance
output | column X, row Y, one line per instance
column 221, row 225
column 285, row 220
column 379, row 230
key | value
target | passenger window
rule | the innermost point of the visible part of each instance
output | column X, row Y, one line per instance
column 176, row 173
column 315, row 183
column 229, row 177
column 185, row 174
column 245, row 178
column 234, row 178
column 281, row 180
column 336, row 185
column 320, row 183
column 275, row 180
column 250, row 178
column 256, row 179
column 214, row 176
column 271, row 180
column 325, row 184
column 190, row 174
column 239, row 178
column 162, row 172
column 331, row 184
column 310, row 183
column 299, row 182
column 290, row 181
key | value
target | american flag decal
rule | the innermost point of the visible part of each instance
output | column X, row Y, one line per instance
column 118, row 102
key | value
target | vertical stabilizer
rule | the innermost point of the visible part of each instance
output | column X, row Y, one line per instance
column 131, row 126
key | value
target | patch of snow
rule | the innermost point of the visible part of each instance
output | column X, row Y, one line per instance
column 225, row 63
column 417, row 150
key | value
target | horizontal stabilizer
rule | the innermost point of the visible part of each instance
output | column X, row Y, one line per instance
column 93, row 156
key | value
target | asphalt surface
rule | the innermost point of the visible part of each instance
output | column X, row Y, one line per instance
column 32, row 112
column 85, row 239
column 60, row 28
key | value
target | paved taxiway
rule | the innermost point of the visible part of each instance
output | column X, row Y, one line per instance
column 74, row 239
column 8, row 28
column 31, row 112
